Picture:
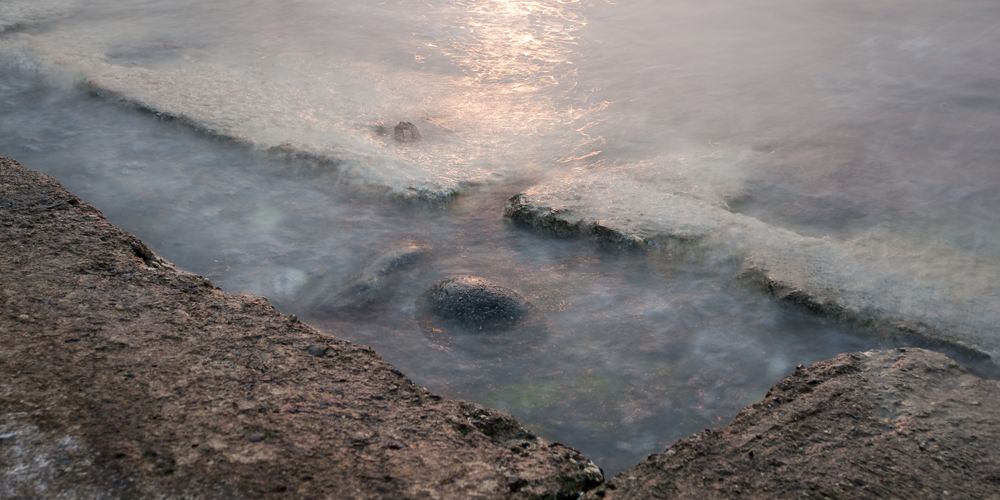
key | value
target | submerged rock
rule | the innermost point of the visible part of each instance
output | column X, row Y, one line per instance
column 371, row 285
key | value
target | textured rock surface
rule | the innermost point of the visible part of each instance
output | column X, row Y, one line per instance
column 480, row 317
column 906, row 423
column 121, row 377
column 475, row 303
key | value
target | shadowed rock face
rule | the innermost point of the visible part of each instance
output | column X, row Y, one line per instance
column 477, row 304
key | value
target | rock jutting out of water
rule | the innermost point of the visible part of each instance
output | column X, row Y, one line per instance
column 477, row 304
column 470, row 312
column 858, row 284
column 400, row 131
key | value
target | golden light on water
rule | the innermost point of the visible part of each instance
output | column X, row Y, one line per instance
column 498, row 86
column 525, row 44
column 517, row 76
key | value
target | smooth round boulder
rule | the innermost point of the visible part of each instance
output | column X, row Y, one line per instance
column 476, row 304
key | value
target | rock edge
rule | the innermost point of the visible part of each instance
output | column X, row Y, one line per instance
column 906, row 423
column 121, row 377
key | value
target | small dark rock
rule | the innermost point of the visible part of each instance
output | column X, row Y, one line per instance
column 256, row 437
column 515, row 484
column 402, row 128
column 475, row 315
column 476, row 303
column 316, row 350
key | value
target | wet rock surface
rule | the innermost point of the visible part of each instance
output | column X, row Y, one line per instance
column 906, row 423
column 477, row 304
column 119, row 379
column 373, row 285
column 480, row 317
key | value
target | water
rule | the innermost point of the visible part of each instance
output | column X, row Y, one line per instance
column 251, row 142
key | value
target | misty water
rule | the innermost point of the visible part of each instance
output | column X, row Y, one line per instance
column 251, row 142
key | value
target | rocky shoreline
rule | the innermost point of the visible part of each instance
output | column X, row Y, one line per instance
column 905, row 423
column 125, row 378
column 122, row 377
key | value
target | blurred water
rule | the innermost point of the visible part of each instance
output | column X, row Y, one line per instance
column 250, row 142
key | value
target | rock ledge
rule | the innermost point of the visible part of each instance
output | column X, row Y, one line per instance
column 121, row 377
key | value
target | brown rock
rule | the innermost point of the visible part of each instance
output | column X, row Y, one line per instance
column 907, row 423
column 399, row 132
column 121, row 377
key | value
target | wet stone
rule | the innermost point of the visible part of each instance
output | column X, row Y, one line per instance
column 476, row 315
column 477, row 303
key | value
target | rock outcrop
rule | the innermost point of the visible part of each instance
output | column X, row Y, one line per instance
column 121, row 377
column 863, row 286
column 907, row 423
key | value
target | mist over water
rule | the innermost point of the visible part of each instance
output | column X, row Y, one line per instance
column 251, row 142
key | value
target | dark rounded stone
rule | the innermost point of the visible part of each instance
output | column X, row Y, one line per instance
column 475, row 316
column 476, row 303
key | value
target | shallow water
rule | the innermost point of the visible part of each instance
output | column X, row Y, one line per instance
column 640, row 349
column 251, row 145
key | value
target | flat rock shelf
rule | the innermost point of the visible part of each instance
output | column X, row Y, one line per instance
column 123, row 377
